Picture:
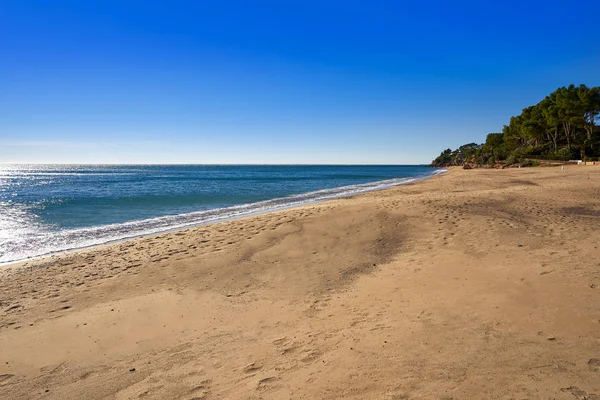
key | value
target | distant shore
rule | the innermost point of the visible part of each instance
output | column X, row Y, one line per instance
column 473, row 282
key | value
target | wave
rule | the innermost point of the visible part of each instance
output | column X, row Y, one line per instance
column 30, row 175
column 42, row 244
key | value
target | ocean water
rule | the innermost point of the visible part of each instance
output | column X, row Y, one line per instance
column 51, row 208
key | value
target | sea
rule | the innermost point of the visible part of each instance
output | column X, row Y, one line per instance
column 46, row 209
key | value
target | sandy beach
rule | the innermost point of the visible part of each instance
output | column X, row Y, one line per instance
column 478, row 284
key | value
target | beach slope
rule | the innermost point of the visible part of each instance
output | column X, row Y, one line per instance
column 481, row 284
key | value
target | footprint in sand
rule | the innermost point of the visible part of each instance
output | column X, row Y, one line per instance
column 250, row 368
column 5, row 377
column 580, row 394
column 202, row 391
column 266, row 383
column 594, row 364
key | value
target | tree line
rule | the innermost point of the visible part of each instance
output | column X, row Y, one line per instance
column 563, row 126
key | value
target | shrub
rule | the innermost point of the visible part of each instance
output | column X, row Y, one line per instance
column 530, row 163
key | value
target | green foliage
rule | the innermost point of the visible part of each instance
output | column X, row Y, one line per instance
column 465, row 153
column 530, row 163
column 563, row 126
column 514, row 156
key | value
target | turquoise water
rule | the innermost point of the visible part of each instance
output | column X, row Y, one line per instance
column 49, row 208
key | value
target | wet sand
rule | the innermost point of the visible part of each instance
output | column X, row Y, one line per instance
column 478, row 284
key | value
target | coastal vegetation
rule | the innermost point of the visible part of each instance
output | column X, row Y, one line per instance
column 563, row 126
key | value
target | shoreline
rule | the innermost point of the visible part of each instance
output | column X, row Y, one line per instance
column 481, row 281
column 241, row 215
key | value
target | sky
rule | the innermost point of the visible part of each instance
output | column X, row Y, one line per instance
column 278, row 82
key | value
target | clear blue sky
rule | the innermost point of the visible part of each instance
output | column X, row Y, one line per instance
column 278, row 81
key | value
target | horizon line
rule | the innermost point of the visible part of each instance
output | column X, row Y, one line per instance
column 217, row 164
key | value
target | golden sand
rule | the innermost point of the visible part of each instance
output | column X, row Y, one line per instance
column 480, row 284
